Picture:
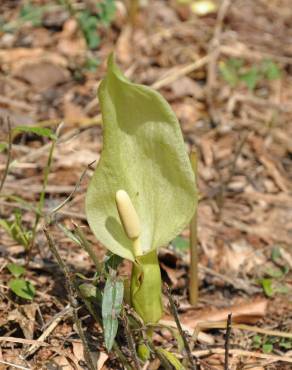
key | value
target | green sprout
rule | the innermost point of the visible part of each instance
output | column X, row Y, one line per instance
column 142, row 194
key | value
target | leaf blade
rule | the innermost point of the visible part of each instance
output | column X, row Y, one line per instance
column 140, row 127
column 111, row 308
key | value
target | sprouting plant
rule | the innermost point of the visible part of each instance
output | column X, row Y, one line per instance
column 100, row 14
column 21, row 287
column 142, row 193
column 234, row 71
column 16, row 228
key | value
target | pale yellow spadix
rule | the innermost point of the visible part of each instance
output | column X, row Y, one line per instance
column 129, row 219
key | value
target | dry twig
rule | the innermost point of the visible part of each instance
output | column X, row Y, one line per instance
column 174, row 312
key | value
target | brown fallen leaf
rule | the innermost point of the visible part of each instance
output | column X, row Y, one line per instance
column 246, row 313
column 62, row 363
column 42, row 74
column 124, row 46
column 185, row 86
column 25, row 317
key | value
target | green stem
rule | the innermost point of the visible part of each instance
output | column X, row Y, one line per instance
column 193, row 272
column 146, row 287
column 41, row 202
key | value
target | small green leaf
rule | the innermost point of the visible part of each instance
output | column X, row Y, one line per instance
column 171, row 358
column 69, row 234
column 143, row 352
column 31, row 13
column 267, row 286
column 286, row 344
column 22, row 288
column 3, row 146
column 271, row 70
column 91, row 64
column 111, row 308
column 112, row 261
column 274, row 272
column 41, row 131
column 15, row 270
column 180, row 243
column 90, row 292
column 251, row 77
column 282, row 289
column 276, row 254
column 235, row 63
column 257, row 341
column 228, row 73
column 267, row 348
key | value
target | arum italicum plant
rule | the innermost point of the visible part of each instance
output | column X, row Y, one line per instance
column 142, row 193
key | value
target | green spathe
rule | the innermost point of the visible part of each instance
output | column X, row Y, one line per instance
column 146, row 287
column 144, row 154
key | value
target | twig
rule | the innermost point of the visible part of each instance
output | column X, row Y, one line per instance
column 193, row 272
column 14, row 365
column 23, row 341
column 87, row 247
column 227, row 341
column 67, row 200
column 9, row 151
column 213, row 53
column 222, row 187
column 255, row 329
column 130, row 341
column 174, row 312
column 54, row 323
column 180, row 73
column 239, row 352
column 72, row 293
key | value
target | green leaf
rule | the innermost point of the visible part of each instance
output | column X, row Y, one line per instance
column 111, row 308
column 285, row 344
column 271, row 70
column 267, row 286
column 143, row 352
column 251, row 78
column 107, row 11
column 180, row 243
column 90, row 292
column 15, row 269
column 69, row 234
column 41, row 131
column 91, row 64
column 3, row 146
column 31, row 13
column 267, row 348
column 257, row 341
column 171, row 358
column 145, row 155
column 235, row 63
column 112, row 261
column 274, row 272
column 228, row 73
column 276, row 254
column 22, row 288
column 16, row 231
column 282, row 289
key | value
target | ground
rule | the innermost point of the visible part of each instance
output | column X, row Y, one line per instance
column 227, row 75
